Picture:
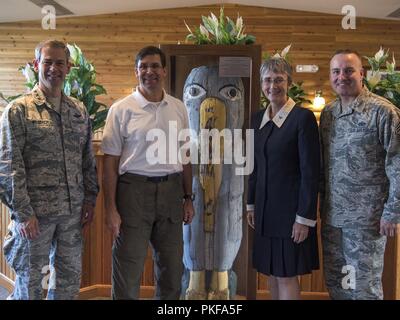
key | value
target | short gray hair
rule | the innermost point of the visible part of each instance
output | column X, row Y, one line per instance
column 277, row 65
column 51, row 44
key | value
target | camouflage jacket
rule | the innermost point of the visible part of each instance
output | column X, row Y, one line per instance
column 361, row 162
column 47, row 166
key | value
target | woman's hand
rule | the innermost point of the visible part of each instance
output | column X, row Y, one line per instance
column 250, row 218
column 299, row 232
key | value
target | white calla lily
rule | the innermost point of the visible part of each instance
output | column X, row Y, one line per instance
column 214, row 18
column 204, row 31
column 379, row 54
column 73, row 52
column 374, row 78
column 239, row 23
column 187, row 27
column 28, row 73
column 219, row 30
column 285, row 51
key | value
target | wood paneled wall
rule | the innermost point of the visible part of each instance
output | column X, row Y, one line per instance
column 111, row 41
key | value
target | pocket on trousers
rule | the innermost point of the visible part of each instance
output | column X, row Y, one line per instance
column 16, row 251
column 175, row 202
column 8, row 245
column 176, row 212
column 129, row 204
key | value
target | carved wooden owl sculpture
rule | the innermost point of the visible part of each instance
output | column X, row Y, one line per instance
column 212, row 240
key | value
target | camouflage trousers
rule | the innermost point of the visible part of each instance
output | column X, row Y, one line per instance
column 353, row 262
column 60, row 241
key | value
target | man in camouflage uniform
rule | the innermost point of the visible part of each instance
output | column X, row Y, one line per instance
column 47, row 179
column 360, row 197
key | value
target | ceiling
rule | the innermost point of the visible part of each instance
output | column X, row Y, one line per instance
column 19, row 10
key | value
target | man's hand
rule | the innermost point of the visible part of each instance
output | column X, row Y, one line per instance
column 188, row 211
column 250, row 218
column 299, row 232
column 29, row 229
column 387, row 228
column 87, row 214
column 113, row 222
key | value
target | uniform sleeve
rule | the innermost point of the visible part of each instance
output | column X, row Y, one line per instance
column 251, row 190
column 13, row 189
column 309, row 158
column 389, row 136
column 89, row 170
column 112, row 140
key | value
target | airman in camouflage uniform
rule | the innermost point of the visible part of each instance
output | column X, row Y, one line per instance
column 48, row 180
column 360, row 196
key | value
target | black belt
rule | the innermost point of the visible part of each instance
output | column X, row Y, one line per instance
column 152, row 179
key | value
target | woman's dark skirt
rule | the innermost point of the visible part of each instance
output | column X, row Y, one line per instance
column 281, row 257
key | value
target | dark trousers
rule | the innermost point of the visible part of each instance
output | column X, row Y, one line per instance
column 152, row 212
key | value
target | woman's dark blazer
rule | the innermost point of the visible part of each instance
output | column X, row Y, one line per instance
column 284, row 182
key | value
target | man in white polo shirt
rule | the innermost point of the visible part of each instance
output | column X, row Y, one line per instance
column 143, row 197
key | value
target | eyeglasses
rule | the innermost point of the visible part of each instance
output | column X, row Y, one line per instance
column 276, row 81
column 152, row 66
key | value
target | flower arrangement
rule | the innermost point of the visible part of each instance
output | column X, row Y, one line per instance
column 80, row 83
column 222, row 30
column 295, row 91
column 383, row 81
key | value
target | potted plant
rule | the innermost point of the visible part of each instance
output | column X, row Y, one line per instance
column 220, row 30
column 383, row 79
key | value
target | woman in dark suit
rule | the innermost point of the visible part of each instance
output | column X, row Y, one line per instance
column 282, row 193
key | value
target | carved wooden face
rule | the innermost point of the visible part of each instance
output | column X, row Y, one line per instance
column 223, row 97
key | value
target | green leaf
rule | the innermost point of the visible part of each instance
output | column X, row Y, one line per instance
column 231, row 28
column 209, row 25
column 67, row 88
column 10, row 98
column 250, row 39
column 99, row 121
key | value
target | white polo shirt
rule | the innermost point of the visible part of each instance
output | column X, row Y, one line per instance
column 128, row 133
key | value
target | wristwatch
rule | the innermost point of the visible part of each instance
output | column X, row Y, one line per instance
column 189, row 197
